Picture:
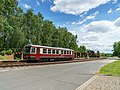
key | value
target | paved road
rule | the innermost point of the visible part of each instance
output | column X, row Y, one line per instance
column 51, row 77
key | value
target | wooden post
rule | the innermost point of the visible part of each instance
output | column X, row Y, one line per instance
column 21, row 56
column 88, row 55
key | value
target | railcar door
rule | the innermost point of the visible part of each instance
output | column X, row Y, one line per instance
column 38, row 53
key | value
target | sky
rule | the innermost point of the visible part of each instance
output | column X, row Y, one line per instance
column 95, row 22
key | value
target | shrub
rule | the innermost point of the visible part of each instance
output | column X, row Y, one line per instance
column 16, row 58
column 3, row 53
column 2, row 57
column 9, row 52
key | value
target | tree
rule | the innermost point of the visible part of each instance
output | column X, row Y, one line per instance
column 73, row 42
column 91, row 53
column 7, row 10
column 116, row 49
column 18, row 28
column 47, row 30
column 38, row 29
column 82, row 49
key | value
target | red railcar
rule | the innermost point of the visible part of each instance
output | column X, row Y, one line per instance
column 37, row 52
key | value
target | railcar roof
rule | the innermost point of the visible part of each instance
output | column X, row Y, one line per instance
column 49, row 47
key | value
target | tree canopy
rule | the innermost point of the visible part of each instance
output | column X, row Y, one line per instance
column 116, row 49
column 82, row 49
column 18, row 28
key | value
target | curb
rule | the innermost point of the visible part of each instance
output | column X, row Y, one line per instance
column 84, row 85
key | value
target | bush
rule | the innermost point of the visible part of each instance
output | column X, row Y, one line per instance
column 2, row 57
column 118, row 56
column 3, row 53
column 16, row 58
column 9, row 52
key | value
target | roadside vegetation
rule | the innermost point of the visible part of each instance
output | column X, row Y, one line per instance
column 111, row 69
column 116, row 49
column 5, row 54
column 105, row 55
column 4, row 58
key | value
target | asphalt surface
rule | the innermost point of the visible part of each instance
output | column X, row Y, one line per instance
column 51, row 77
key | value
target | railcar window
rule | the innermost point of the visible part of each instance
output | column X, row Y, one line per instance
column 57, row 51
column 61, row 51
column 67, row 52
column 41, row 50
column 44, row 50
column 49, row 51
column 53, row 51
column 64, row 52
column 33, row 50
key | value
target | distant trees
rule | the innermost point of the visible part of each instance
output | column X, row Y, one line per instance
column 18, row 28
column 116, row 49
column 82, row 49
column 91, row 53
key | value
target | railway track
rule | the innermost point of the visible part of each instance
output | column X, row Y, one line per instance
column 5, row 64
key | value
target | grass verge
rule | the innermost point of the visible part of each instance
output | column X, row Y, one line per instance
column 4, row 58
column 111, row 69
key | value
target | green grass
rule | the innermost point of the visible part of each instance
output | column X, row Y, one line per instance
column 111, row 69
column 3, row 58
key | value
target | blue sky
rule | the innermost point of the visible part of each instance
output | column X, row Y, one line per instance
column 96, row 22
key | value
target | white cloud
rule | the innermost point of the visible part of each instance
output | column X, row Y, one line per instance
column 92, row 16
column 76, row 7
column 26, row 6
column 82, row 15
column 100, row 35
column 110, row 11
column 37, row 3
column 73, row 32
column 19, row 1
column 81, row 22
column 45, row 0
column 114, row 1
column 118, row 9
column 117, row 22
column 96, row 26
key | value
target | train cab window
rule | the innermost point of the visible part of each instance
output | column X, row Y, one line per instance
column 33, row 50
column 57, row 51
column 49, row 51
column 53, row 51
column 44, row 50
column 27, row 49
